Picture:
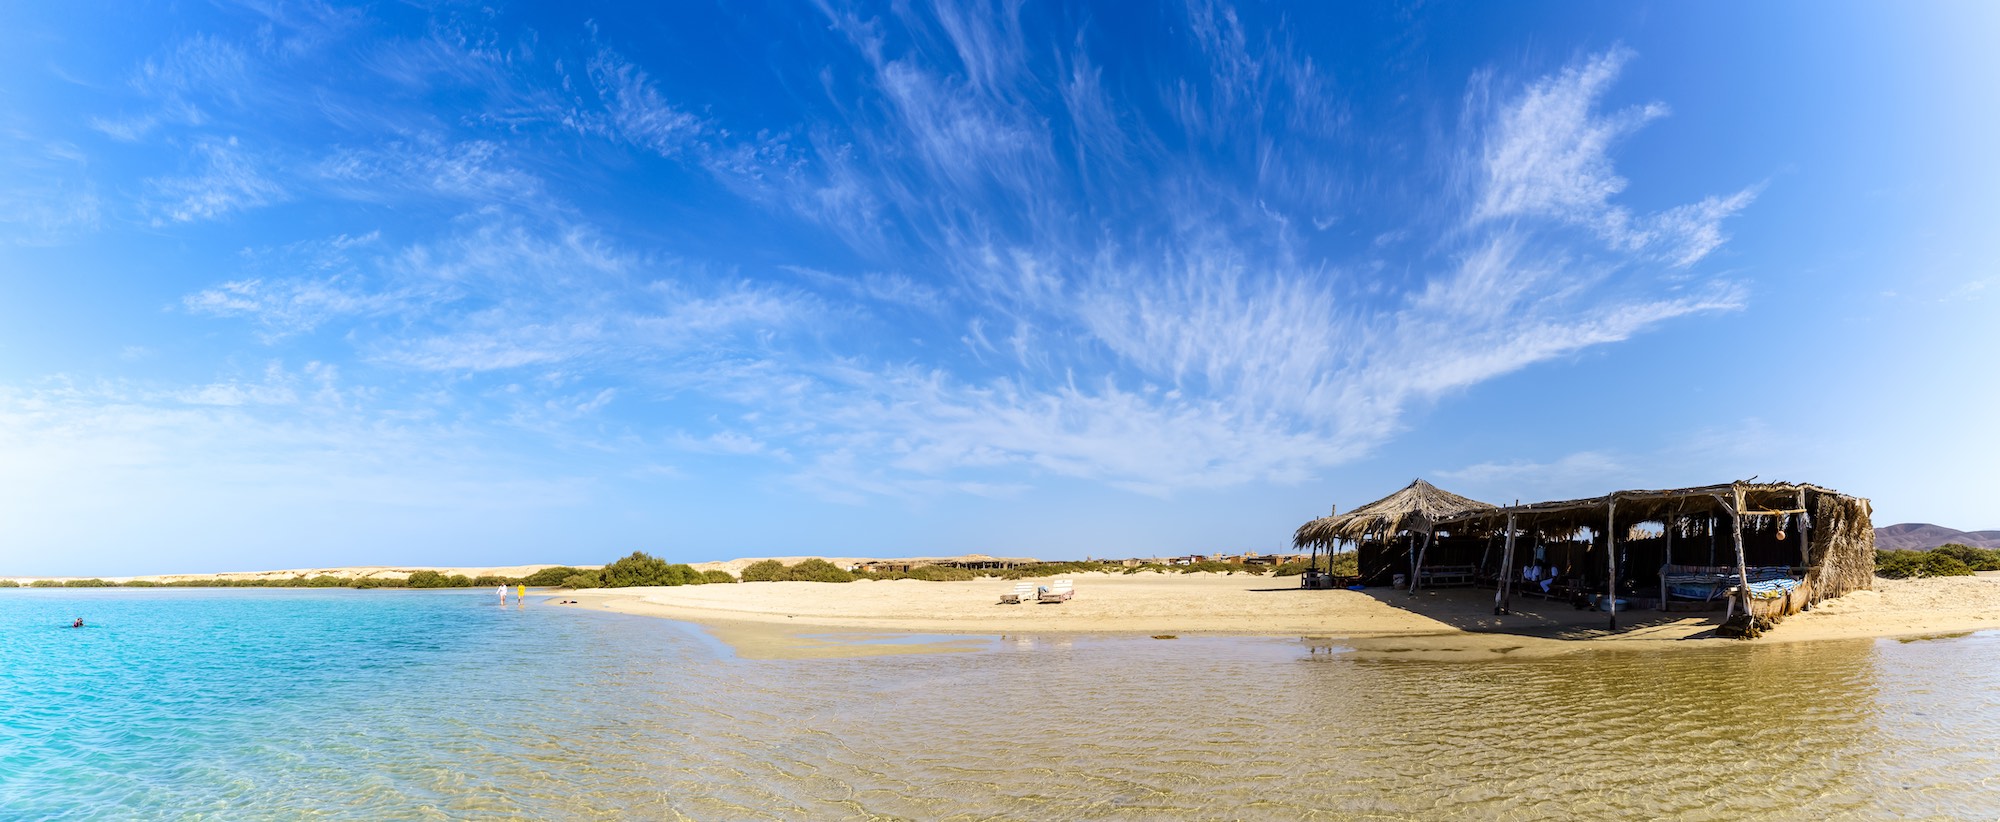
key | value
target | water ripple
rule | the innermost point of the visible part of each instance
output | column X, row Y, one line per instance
column 410, row 705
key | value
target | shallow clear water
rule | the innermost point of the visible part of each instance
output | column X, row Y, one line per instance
column 243, row 704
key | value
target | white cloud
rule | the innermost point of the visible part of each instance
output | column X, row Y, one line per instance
column 1581, row 470
column 228, row 179
column 125, row 129
column 1272, row 372
column 114, row 472
column 502, row 293
column 1547, row 154
column 198, row 66
column 1175, row 332
column 47, row 195
column 473, row 170
column 634, row 110
column 876, row 286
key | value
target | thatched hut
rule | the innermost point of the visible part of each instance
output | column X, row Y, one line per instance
column 1400, row 526
column 1762, row 551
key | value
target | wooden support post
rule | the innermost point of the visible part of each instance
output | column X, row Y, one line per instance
column 1503, row 599
column 1742, row 565
column 1417, row 561
column 1805, row 528
column 1410, row 550
column 1666, row 561
column 1611, row 557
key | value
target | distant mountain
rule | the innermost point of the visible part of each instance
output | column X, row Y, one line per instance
column 1923, row 536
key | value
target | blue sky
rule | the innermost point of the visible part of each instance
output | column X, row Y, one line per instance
column 300, row 284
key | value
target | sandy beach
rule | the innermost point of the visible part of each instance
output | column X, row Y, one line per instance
column 757, row 617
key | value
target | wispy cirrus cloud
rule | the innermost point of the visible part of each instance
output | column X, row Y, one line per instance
column 1547, row 154
column 1127, row 313
column 1222, row 362
column 225, row 179
column 49, row 196
column 633, row 109
column 1583, row 469
column 501, row 293
column 479, row 171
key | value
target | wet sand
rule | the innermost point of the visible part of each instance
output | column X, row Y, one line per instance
column 784, row 619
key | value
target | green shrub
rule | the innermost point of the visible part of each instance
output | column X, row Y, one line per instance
column 1919, row 564
column 484, row 580
column 1289, row 569
column 819, row 570
column 1050, row 569
column 766, row 570
column 46, row 583
column 1978, row 559
column 551, row 577
column 938, row 573
column 89, row 583
column 1944, row 565
column 717, row 576
column 433, row 579
column 642, row 568
column 8, row 583
column 580, row 581
column 881, row 576
column 1347, row 564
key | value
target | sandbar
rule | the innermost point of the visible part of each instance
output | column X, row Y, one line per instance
column 757, row 618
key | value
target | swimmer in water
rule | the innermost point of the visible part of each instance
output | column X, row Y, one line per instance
column 78, row 623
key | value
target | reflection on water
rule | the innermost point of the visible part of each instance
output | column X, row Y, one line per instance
column 563, row 714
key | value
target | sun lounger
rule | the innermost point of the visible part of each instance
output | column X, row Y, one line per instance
column 1059, row 591
column 1022, row 590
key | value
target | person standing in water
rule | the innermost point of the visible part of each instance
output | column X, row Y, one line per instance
column 502, row 591
column 78, row 623
column 520, row 594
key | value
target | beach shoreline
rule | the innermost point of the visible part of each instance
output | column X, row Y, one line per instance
column 379, row 572
column 1449, row 624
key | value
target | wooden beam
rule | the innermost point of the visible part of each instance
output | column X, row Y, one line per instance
column 1742, row 566
column 1668, row 560
column 1805, row 535
column 1417, row 562
column 1503, row 599
column 1611, row 556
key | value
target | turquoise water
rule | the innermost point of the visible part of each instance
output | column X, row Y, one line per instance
column 254, row 704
